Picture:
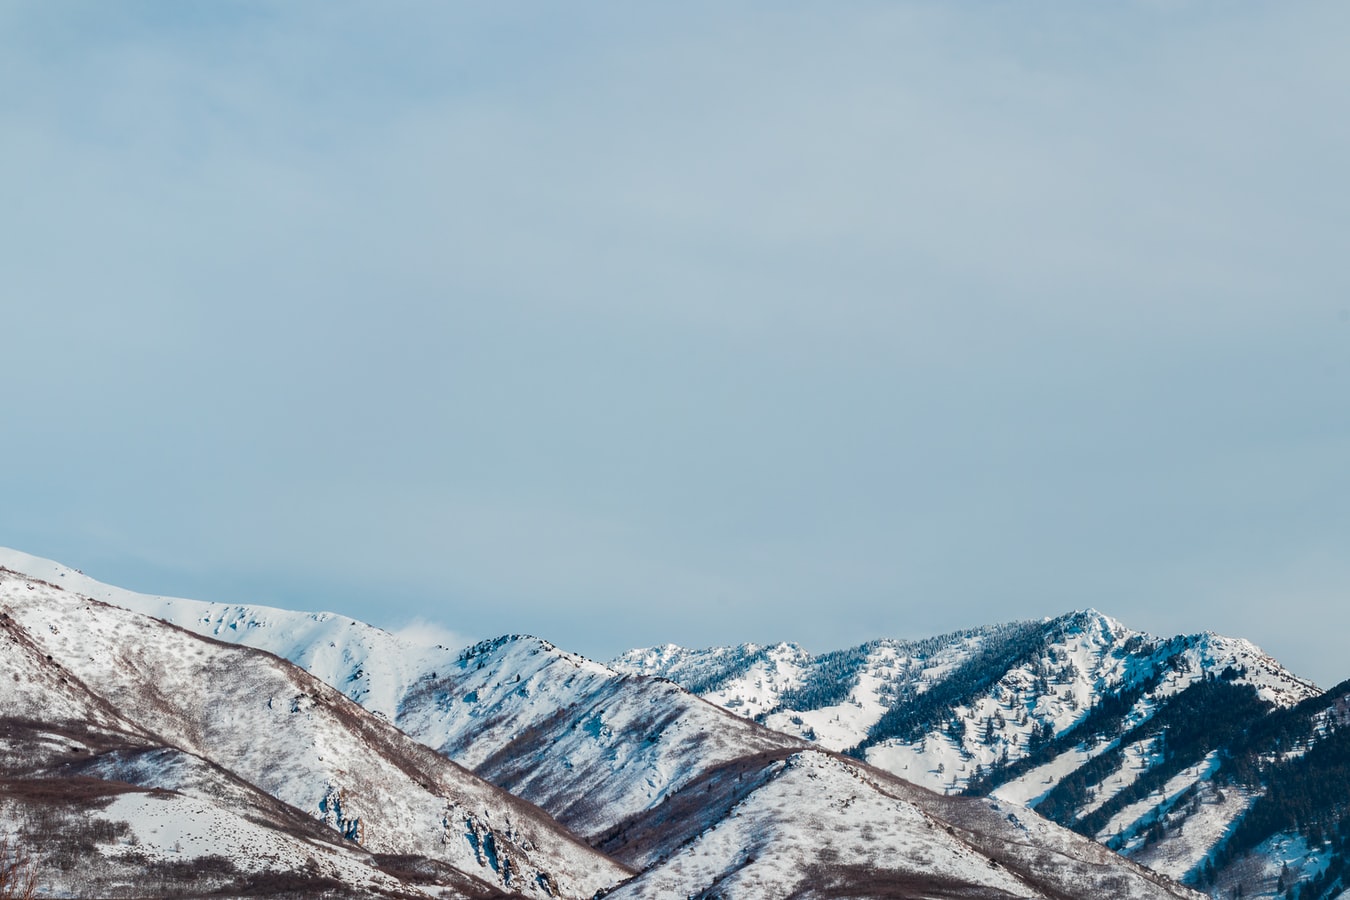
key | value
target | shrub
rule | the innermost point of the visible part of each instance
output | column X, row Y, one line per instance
column 18, row 874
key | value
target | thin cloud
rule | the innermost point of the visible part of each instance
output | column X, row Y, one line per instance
column 426, row 633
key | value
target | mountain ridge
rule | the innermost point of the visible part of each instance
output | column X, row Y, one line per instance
column 344, row 767
column 1067, row 715
column 613, row 755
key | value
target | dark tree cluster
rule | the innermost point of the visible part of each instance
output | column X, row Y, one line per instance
column 829, row 680
column 715, row 679
column 1002, row 649
column 1204, row 717
column 1308, row 794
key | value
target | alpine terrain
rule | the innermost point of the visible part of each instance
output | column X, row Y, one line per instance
column 180, row 746
column 1197, row 755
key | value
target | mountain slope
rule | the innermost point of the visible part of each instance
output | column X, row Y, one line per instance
column 814, row 824
column 662, row 780
column 883, row 699
column 368, row 664
column 646, row 771
column 278, row 729
column 589, row 745
column 1123, row 736
column 583, row 742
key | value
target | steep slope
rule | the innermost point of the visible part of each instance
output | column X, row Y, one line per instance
column 692, row 795
column 1120, row 735
column 896, row 701
column 813, row 824
column 642, row 768
column 274, row 727
column 591, row 746
column 748, row 679
column 111, row 811
column 1291, row 772
column 96, row 834
column 368, row 664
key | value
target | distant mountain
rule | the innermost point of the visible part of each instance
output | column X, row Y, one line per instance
column 368, row 664
column 1191, row 754
column 815, row 824
column 694, row 798
column 704, row 803
column 179, row 753
column 615, row 745
column 593, row 747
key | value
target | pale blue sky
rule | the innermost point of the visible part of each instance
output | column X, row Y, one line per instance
column 622, row 323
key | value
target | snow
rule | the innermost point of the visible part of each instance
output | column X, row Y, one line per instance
column 817, row 812
column 1092, row 651
column 843, row 725
column 624, row 745
column 1133, row 817
column 1031, row 788
column 493, row 707
column 1200, row 832
column 171, row 827
column 758, row 690
column 274, row 727
column 589, row 744
column 1083, row 657
column 370, row 665
column 748, row 680
column 1259, row 872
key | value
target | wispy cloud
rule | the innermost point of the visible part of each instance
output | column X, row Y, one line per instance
column 426, row 633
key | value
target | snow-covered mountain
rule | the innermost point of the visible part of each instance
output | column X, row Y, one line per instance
column 368, row 664
column 815, row 824
column 120, row 697
column 664, row 783
column 591, row 746
column 892, row 702
column 1141, row 742
column 705, row 803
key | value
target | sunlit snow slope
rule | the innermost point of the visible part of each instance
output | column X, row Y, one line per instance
column 815, row 824
column 368, row 664
column 591, row 746
column 77, row 663
column 1064, row 715
column 1125, row 737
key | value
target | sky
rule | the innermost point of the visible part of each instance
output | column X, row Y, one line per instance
column 624, row 324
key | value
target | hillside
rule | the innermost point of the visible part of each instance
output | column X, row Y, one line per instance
column 137, row 701
column 650, row 774
column 1168, row 750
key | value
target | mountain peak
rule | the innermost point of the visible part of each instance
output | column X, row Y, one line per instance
column 1114, row 732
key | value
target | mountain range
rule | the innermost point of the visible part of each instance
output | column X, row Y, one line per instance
column 168, row 747
column 1198, row 755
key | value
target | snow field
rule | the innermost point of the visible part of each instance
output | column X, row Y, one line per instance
column 245, row 711
column 770, row 845
column 171, row 827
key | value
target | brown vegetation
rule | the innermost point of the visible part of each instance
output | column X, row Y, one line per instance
column 18, row 874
